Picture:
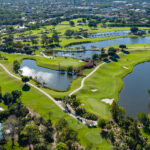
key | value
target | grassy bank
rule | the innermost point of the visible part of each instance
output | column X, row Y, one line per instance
column 44, row 62
column 42, row 105
column 107, row 81
column 66, row 42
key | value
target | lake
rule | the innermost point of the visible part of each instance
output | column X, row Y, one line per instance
column 118, row 41
column 134, row 96
column 52, row 78
column 108, row 34
column 77, row 54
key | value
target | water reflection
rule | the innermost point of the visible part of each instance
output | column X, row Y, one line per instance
column 76, row 54
column 108, row 34
column 50, row 78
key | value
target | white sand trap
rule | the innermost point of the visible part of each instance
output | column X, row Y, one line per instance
column 94, row 90
column 80, row 61
column 108, row 101
column 125, row 67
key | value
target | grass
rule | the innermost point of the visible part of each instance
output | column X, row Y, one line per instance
column 107, row 81
column 66, row 42
column 45, row 62
column 63, row 26
column 42, row 105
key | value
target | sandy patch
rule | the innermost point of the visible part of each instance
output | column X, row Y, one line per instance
column 80, row 61
column 94, row 90
column 125, row 67
column 108, row 101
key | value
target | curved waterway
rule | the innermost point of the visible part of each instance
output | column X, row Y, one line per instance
column 118, row 41
column 109, row 34
column 134, row 96
column 52, row 78
column 76, row 54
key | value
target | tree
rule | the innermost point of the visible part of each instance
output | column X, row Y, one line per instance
column 19, row 44
column 40, row 146
column 55, row 37
column 28, row 50
column 7, row 98
column 95, row 56
column 50, row 40
column 16, row 95
column 16, row 66
column 70, row 70
column 75, row 102
column 67, row 134
column 31, row 133
column 48, row 135
column 122, row 112
column 71, row 23
column 44, row 39
column 111, row 51
column 122, row 46
column 61, row 124
column 34, row 41
column 92, row 24
column 101, row 123
column 69, row 33
column 83, row 20
column 130, row 142
column 114, row 110
column 61, row 146
column 25, row 79
column 134, row 30
column 142, row 117
column 9, row 128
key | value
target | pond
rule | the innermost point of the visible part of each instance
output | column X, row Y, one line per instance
column 52, row 78
column 108, row 34
column 76, row 54
column 134, row 96
column 118, row 41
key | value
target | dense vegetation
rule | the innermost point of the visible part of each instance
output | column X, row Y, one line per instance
column 22, row 125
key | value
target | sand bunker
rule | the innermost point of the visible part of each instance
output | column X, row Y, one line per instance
column 94, row 90
column 108, row 101
column 125, row 67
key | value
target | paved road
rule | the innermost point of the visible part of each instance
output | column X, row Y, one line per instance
column 46, row 94
column 83, row 80
column 49, row 96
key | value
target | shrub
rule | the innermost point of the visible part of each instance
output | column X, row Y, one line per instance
column 101, row 123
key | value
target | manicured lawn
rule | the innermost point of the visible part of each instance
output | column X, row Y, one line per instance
column 44, row 62
column 107, row 81
column 63, row 26
column 42, row 105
